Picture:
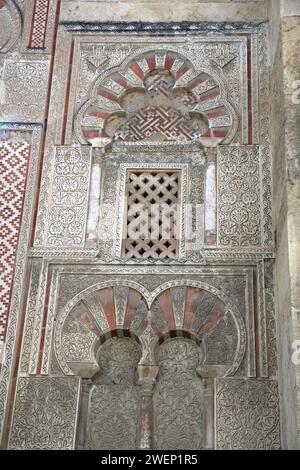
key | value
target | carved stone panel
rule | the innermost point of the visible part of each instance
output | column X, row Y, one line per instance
column 69, row 197
column 247, row 414
column 113, row 413
column 25, row 90
column 178, row 399
column 239, row 196
column 45, row 413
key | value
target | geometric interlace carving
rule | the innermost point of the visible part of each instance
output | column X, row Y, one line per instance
column 152, row 214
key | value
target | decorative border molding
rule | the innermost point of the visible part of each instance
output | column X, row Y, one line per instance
column 262, row 321
column 265, row 148
column 33, row 291
column 162, row 27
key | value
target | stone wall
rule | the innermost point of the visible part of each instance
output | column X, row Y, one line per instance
column 179, row 10
column 284, row 48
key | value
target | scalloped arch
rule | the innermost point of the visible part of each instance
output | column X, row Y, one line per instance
column 123, row 303
column 187, row 93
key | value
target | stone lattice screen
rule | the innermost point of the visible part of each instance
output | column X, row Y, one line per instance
column 152, row 214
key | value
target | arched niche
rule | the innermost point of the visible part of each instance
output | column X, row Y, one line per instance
column 112, row 420
column 196, row 309
column 179, row 396
column 157, row 95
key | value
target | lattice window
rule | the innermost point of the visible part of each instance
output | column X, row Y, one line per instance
column 152, row 216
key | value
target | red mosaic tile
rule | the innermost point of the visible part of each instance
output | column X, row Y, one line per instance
column 14, row 157
column 39, row 24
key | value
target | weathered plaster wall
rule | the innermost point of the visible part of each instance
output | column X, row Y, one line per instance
column 180, row 10
column 285, row 66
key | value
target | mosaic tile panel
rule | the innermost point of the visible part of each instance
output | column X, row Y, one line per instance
column 39, row 24
column 14, row 158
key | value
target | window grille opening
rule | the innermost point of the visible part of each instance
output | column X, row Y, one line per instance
column 152, row 214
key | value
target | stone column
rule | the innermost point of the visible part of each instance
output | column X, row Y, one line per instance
column 148, row 371
column 83, row 413
column 146, row 418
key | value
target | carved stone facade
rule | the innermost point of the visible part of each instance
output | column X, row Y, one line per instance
column 137, row 302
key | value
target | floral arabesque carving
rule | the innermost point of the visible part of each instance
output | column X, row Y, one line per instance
column 178, row 399
column 239, row 196
column 114, row 397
